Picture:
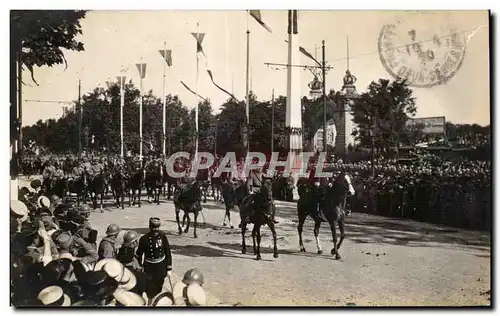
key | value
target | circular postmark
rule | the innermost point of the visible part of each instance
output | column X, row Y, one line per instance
column 423, row 48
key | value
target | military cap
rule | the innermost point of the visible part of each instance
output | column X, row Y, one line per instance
column 154, row 222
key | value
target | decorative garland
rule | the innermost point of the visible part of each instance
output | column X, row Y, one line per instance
column 293, row 131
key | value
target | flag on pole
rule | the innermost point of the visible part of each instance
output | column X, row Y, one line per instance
column 121, row 80
column 305, row 52
column 189, row 89
column 142, row 70
column 224, row 90
column 256, row 15
column 199, row 40
column 167, row 56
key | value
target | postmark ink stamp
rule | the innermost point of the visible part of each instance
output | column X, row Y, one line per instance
column 424, row 48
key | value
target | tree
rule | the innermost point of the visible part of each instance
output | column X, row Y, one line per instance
column 381, row 114
column 37, row 38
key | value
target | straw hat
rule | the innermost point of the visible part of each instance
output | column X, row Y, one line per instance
column 195, row 295
column 112, row 267
column 43, row 202
column 163, row 299
column 18, row 208
column 178, row 293
column 128, row 281
column 67, row 255
column 126, row 298
column 54, row 296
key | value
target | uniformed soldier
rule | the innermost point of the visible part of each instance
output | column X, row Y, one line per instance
column 126, row 254
column 107, row 246
column 85, row 229
column 76, row 246
column 155, row 256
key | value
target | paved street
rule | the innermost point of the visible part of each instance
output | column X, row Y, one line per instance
column 384, row 261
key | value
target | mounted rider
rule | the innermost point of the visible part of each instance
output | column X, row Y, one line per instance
column 254, row 184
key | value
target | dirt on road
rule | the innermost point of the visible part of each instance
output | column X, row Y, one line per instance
column 385, row 262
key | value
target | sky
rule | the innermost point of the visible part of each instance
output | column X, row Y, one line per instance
column 116, row 40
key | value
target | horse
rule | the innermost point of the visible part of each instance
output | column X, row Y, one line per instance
column 189, row 200
column 331, row 201
column 119, row 186
column 257, row 209
column 135, row 184
column 78, row 185
column 154, row 182
column 233, row 195
column 203, row 176
column 97, row 186
column 216, row 183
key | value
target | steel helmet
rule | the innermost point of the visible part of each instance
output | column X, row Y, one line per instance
column 83, row 209
column 130, row 237
column 112, row 230
column 193, row 276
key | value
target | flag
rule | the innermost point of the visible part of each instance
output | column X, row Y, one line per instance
column 142, row 70
column 185, row 86
column 212, row 78
column 121, row 80
column 256, row 15
column 199, row 40
column 167, row 56
column 305, row 52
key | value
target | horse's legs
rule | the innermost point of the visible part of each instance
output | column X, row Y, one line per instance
column 300, row 227
column 186, row 215
column 158, row 190
column 254, row 235
column 243, row 244
column 122, row 196
column 177, row 210
column 334, row 250
column 130, row 197
column 139, row 195
column 195, row 223
column 203, row 217
column 225, row 215
column 102, row 198
column 258, row 241
column 342, row 234
column 273, row 231
column 317, row 225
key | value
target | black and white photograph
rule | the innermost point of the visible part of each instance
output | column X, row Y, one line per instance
column 250, row 157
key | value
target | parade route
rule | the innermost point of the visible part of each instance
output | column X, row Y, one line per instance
column 385, row 262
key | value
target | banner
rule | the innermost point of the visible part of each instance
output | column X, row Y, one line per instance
column 430, row 125
column 256, row 15
column 189, row 89
column 167, row 56
column 142, row 70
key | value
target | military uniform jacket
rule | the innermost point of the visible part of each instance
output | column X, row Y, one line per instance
column 154, row 249
column 107, row 248
column 255, row 180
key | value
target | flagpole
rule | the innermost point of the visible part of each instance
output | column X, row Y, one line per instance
column 247, row 101
column 272, row 124
column 122, row 104
column 140, row 114
column 196, row 88
column 164, row 104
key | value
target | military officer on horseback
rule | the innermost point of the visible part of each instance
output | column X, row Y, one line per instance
column 254, row 183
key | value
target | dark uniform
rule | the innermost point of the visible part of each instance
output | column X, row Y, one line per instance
column 107, row 248
column 155, row 250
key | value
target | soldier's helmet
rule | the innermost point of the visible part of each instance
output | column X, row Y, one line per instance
column 84, row 210
column 130, row 237
column 193, row 276
column 112, row 230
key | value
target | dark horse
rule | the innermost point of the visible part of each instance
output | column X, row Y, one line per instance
column 331, row 201
column 257, row 209
column 233, row 195
column 97, row 186
column 135, row 184
column 154, row 182
column 189, row 200
column 78, row 185
column 119, row 185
